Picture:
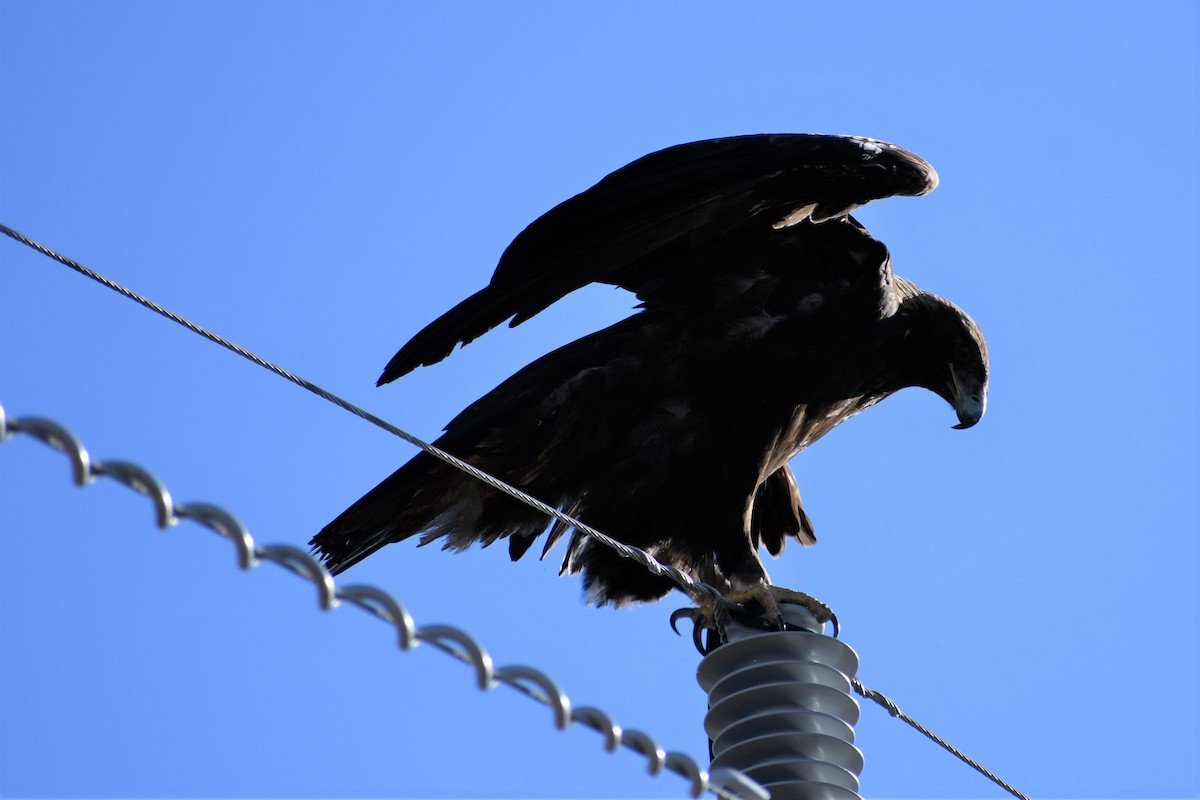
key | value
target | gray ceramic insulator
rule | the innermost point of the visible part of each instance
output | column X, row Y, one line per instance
column 780, row 709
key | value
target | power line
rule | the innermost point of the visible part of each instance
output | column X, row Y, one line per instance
column 300, row 562
column 893, row 709
column 534, row 684
column 681, row 579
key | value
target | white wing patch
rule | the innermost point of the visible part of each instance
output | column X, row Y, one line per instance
column 873, row 146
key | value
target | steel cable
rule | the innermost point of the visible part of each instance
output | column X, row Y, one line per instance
column 894, row 710
column 378, row 602
column 684, row 581
column 536, row 685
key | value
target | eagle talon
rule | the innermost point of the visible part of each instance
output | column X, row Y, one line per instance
column 702, row 621
column 679, row 614
column 713, row 617
column 696, row 615
column 757, row 607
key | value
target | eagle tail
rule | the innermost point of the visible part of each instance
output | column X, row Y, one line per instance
column 429, row 498
column 407, row 502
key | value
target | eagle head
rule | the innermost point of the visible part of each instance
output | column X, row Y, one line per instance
column 950, row 356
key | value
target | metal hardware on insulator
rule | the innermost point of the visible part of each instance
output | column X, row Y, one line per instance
column 780, row 709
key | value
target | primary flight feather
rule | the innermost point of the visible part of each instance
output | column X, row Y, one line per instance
column 768, row 316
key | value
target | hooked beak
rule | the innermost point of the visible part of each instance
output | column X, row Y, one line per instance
column 969, row 399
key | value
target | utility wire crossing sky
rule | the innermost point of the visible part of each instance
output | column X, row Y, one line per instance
column 319, row 182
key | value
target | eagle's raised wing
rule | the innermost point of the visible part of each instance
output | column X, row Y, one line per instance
column 675, row 201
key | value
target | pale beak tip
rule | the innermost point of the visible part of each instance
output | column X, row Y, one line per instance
column 968, row 418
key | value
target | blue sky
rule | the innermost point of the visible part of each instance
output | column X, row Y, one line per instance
column 318, row 181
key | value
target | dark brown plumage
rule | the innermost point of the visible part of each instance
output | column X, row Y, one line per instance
column 769, row 316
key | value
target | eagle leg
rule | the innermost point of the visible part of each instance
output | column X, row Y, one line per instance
column 767, row 597
column 756, row 607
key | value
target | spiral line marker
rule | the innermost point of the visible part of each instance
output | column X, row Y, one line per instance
column 729, row 784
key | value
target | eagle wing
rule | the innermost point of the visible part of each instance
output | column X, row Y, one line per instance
column 631, row 228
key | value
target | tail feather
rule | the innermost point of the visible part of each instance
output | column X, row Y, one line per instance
column 429, row 499
column 406, row 503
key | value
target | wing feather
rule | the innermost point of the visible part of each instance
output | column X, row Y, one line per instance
column 632, row 224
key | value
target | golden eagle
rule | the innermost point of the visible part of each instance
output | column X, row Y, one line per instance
column 768, row 316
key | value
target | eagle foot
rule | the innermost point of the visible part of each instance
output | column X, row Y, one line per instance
column 702, row 621
column 756, row 607
column 766, row 599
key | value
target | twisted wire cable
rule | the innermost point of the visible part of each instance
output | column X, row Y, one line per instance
column 890, row 705
column 296, row 559
column 681, row 579
column 728, row 784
